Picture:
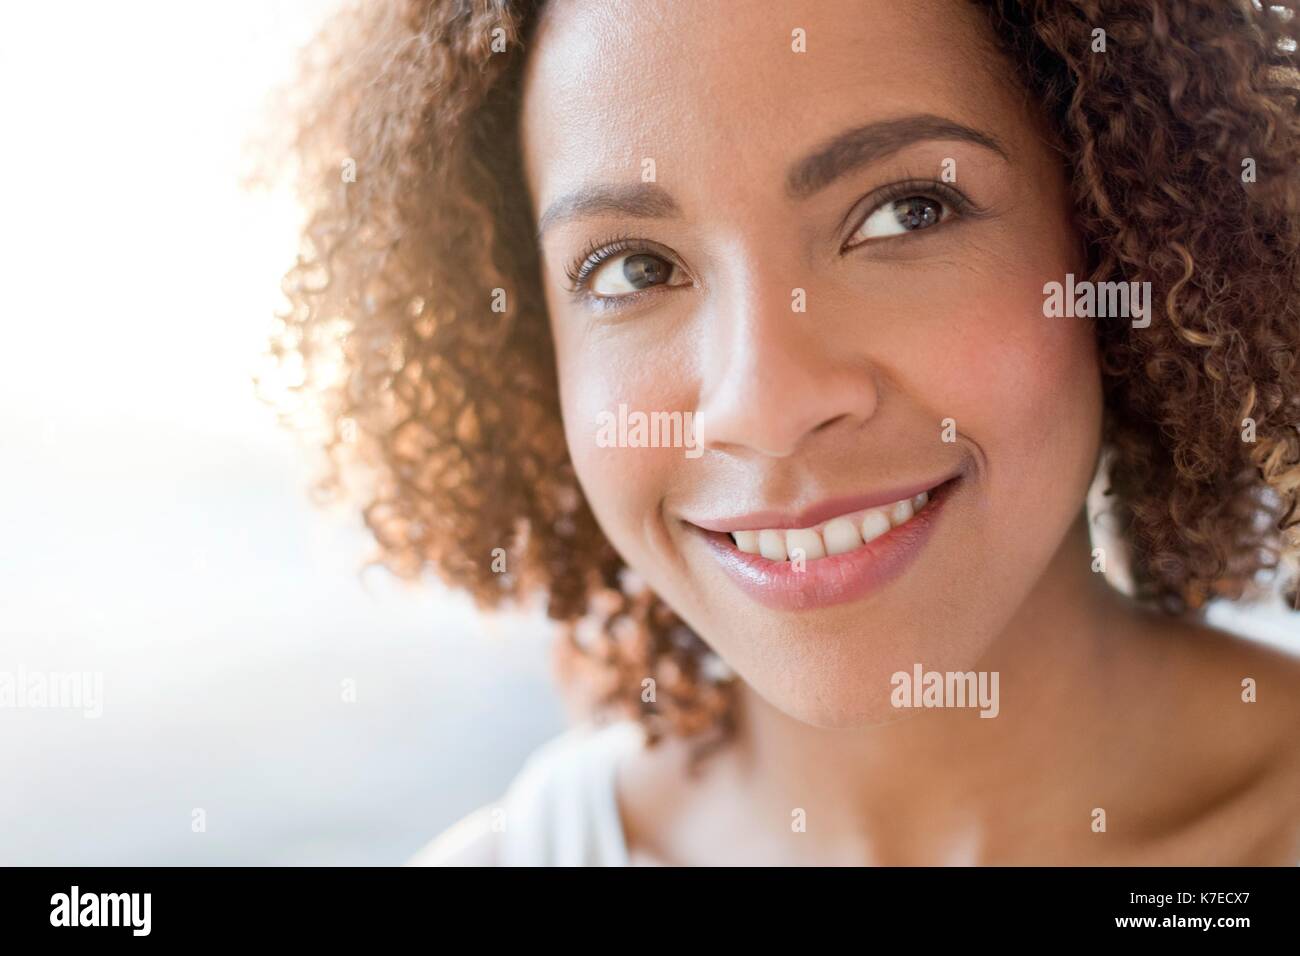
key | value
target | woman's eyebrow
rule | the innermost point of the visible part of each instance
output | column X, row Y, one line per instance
column 637, row 200
column 866, row 144
column 842, row 154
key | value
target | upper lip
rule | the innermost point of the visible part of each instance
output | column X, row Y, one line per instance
column 816, row 513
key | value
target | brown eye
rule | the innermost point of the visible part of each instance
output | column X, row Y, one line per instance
column 642, row 270
column 917, row 212
column 633, row 272
column 900, row 216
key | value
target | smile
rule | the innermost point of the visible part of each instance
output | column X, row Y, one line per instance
column 840, row 535
column 836, row 552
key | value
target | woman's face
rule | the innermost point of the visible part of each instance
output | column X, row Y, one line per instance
column 823, row 231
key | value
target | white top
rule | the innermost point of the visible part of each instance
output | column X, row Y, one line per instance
column 561, row 808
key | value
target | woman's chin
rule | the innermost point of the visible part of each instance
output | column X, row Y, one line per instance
column 842, row 698
column 840, row 714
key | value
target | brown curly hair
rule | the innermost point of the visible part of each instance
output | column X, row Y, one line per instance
column 418, row 326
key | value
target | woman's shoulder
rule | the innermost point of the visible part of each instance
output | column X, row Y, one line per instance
column 1225, row 712
column 471, row 841
column 559, row 810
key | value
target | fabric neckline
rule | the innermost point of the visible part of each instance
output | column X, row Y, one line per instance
column 621, row 737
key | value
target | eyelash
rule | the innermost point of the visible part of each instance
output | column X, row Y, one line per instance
column 954, row 199
column 591, row 257
column 596, row 252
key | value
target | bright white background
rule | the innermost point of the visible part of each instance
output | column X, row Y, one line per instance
column 154, row 518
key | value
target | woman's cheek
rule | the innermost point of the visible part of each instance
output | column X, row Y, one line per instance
column 1041, row 400
column 1023, row 387
column 603, row 394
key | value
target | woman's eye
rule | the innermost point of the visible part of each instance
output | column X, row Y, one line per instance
column 899, row 216
column 630, row 272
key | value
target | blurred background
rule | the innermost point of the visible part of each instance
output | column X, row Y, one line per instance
column 156, row 522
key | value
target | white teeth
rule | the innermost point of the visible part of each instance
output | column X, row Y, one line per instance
column 771, row 545
column 837, row 536
column 841, row 536
column 874, row 524
column 806, row 540
column 899, row 512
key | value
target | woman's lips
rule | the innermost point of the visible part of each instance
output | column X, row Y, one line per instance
column 837, row 578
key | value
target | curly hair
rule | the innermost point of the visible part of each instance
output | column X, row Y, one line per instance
column 417, row 323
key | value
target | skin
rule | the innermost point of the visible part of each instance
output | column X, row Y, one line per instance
column 1102, row 705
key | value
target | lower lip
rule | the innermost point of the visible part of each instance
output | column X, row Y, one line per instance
column 835, row 579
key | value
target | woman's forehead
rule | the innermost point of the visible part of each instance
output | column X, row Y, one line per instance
column 720, row 90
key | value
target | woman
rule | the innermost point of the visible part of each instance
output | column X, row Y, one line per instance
column 778, row 347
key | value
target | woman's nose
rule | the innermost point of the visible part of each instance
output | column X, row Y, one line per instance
column 772, row 375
